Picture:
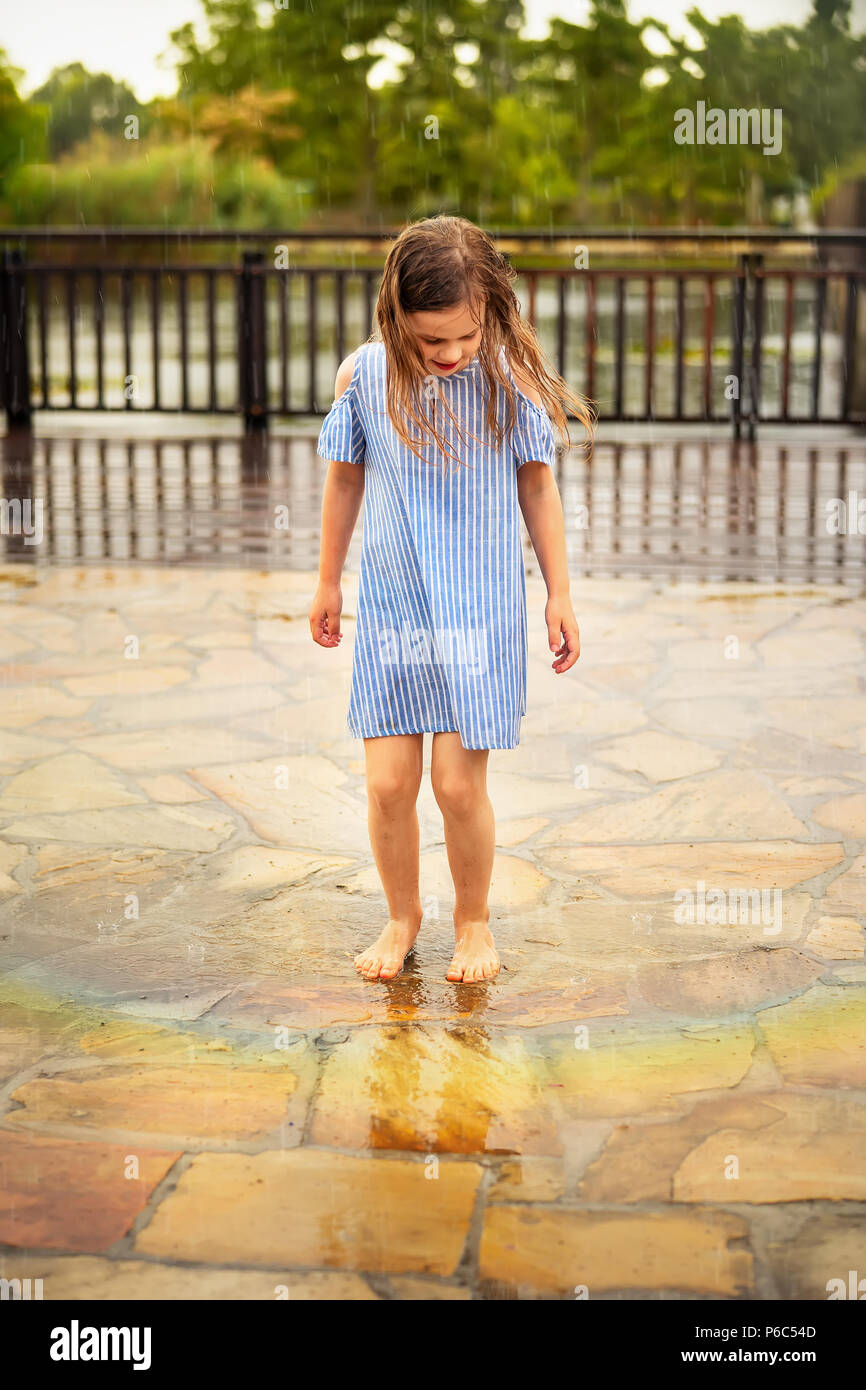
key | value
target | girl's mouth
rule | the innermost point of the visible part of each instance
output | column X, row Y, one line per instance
column 444, row 366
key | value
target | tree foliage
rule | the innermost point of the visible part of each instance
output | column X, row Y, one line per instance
column 371, row 111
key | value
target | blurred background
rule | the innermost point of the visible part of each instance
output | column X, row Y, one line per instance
column 196, row 202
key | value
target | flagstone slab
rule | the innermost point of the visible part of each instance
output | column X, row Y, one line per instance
column 514, row 794
column 815, row 648
column 724, row 985
column 141, row 1040
column 71, row 1195
column 257, row 869
column 643, row 871
column 313, row 1208
column 429, row 1290
column 847, row 892
column 127, row 677
column 421, row 994
column 22, row 705
column 296, row 801
column 170, row 788
column 14, row 643
column 837, row 938
column 199, row 1100
column 174, row 746
column 220, row 637
column 715, row 654
column 513, row 832
column 515, row 882
column 554, row 1250
column 727, row 718
column 21, row 1045
column 826, row 1248
column 640, row 1161
column 175, row 707
column 819, row 1039
column 529, row 1180
column 442, row 1090
column 813, row 786
column 595, row 1074
column 231, row 667
column 103, row 872
column 837, row 720
column 660, row 757
column 590, row 718
column 815, row 1151
column 16, row 749
column 11, row 856
column 200, row 826
column 116, row 969
column 87, row 1278
column 624, row 679
column 846, row 814
column 719, row 805
column 762, row 683
column 70, row 782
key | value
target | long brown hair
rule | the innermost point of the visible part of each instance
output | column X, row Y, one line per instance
column 441, row 263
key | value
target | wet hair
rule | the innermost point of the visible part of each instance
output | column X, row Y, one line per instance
column 444, row 263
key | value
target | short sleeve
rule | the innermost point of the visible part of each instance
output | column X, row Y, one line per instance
column 341, row 438
column 533, row 438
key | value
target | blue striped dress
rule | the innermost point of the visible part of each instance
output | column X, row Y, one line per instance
column 440, row 643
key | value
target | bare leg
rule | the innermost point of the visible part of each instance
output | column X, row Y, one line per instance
column 459, row 778
column 393, row 777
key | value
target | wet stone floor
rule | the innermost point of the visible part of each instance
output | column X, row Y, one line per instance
column 662, row 1094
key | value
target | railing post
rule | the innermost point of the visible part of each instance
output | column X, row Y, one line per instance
column 14, row 356
column 754, row 318
column 252, row 349
column 738, row 329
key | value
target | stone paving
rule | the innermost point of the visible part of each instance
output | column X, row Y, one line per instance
column 200, row 1099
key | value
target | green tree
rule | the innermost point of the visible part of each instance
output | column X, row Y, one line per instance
column 22, row 138
column 77, row 102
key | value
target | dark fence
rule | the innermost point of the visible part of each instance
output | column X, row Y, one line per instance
column 733, row 341
column 705, row 509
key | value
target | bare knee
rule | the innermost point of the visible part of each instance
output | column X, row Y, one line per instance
column 457, row 796
column 392, row 792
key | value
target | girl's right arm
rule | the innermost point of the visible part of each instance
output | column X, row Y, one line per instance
column 341, row 503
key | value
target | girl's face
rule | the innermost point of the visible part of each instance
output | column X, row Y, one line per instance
column 448, row 338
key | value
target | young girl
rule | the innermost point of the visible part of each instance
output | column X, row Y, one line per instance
column 440, row 643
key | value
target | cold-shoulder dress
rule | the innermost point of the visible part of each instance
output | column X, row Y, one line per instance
column 440, row 643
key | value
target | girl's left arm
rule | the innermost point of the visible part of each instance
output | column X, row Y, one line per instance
column 542, row 511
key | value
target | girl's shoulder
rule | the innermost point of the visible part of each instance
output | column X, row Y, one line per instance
column 521, row 379
column 350, row 370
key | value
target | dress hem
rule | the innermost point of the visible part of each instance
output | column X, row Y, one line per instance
column 426, row 729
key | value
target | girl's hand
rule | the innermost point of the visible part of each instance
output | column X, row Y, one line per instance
column 325, row 613
column 562, row 624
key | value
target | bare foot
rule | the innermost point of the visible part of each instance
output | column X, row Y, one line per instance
column 475, row 957
column 384, row 959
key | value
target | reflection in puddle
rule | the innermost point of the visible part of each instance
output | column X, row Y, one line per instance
column 698, row 508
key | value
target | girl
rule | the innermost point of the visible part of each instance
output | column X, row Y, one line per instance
column 440, row 643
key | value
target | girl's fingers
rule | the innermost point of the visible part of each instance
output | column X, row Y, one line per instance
column 568, row 652
column 321, row 629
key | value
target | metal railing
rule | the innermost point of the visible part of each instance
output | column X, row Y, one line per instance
column 666, row 508
column 736, row 344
